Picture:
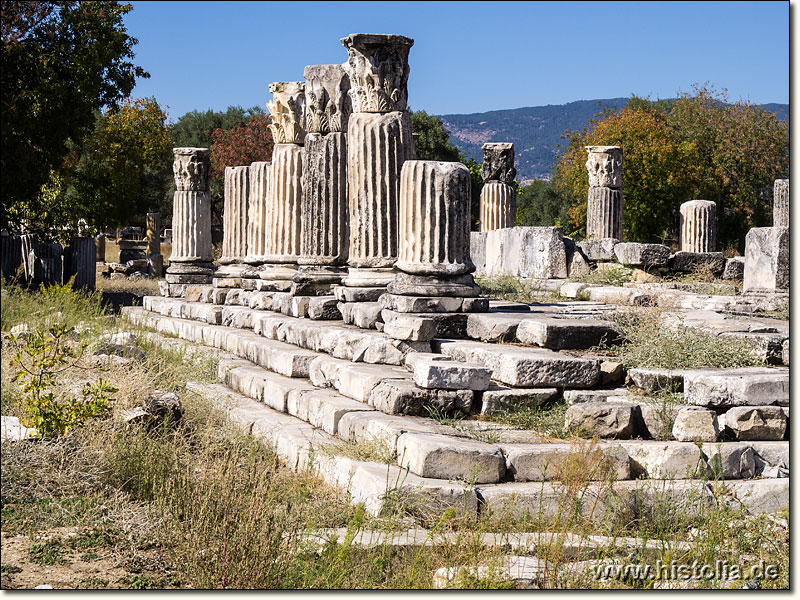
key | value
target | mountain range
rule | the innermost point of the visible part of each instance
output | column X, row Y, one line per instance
column 536, row 131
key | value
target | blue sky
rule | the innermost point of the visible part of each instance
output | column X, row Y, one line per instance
column 468, row 56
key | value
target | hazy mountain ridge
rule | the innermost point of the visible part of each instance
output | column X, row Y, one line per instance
column 535, row 131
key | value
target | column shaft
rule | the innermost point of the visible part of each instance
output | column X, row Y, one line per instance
column 498, row 206
column 234, row 216
column 604, row 213
column 260, row 185
column 284, row 204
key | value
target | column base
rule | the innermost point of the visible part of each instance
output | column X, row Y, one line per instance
column 180, row 272
column 317, row 280
column 463, row 286
column 359, row 277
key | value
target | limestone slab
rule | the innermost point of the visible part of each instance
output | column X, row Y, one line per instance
column 430, row 372
column 443, row 457
column 562, row 334
column 620, row 420
column 766, row 423
column 633, row 254
column 737, row 387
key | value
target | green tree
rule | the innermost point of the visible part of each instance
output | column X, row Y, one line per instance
column 61, row 63
column 539, row 204
column 122, row 165
column 433, row 142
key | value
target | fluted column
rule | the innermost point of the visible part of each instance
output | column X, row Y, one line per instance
column 260, row 174
column 604, row 210
column 498, row 205
column 698, row 227
column 379, row 141
column 80, row 263
column 284, row 204
column 191, row 259
column 780, row 206
column 234, row 216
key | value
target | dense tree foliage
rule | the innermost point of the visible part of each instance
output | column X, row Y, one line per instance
column 247, row 142
column 433, row 142
column 699, row 146
column 540, row 205
column 61, row 63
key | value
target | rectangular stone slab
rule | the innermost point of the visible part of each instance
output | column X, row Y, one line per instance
column 444, row 457
column 524, row 367
column 545, row 462
column 430, row 372
column 737, row 387
column 562, row 334
column 497, row 399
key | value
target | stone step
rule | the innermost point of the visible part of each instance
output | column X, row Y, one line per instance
column 567, row 334
column 737, row 387
column 523, row 367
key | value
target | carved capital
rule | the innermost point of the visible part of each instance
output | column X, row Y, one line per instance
column 377, row 66
column 604, row 165
column 327, row 100
column 190, row 167
column 498, row 162
column 287, row 111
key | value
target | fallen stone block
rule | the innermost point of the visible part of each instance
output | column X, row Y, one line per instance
column 600, row 249
column 404, row 327
column 695, row 424
column 737, row 387
column 567, row 334
column 614, row 420
column 536, row 252
column 756, row 422
column 734, row 269
column 430, row 372
column 690, row 262
column 404, row 397
column 632, row 254
column 766, row 259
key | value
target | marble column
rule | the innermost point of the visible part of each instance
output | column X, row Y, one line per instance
column 780, row 205
column 260, row 174
column 698, row 227
column 191, row 259
column 10, row 255
column 379, row 141
column 155, row 260
column 605, row 207
column 235, row 216
column 324, row 230
column 284, row 195
column 498, row 204
column 80, row 263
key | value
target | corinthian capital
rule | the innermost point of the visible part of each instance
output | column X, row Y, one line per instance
column 378, row 68
column 190, row 167
column 604, row 164
column 327, row 100
column 287, row 111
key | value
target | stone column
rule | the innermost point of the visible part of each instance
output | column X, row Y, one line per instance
column 324, row 228
column 780, row 203
column 499, row 194
column 191, row 259
column 235, row 216
column 100, row 244
column 604, row 210
column 698, row 227
column 284, row 195
column 379, row 141
column 260, row 183
column 10, row 255
column 154, row 258
column 80, row 263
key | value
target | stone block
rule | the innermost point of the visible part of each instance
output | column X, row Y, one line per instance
column 604, row 419
column 611, row 372
column 654, row 380
column 689, row 262
column 766, row 423
column 695, row 424
column 577, row 263
column 547, row 462
column 405, row 327
column 404, row 397
column 734, row 268
column 633, row 254
column 567, row 334
column 785, row 352
column 536, row 252
column 737, row 387
column 766, row 259
column 497, row 399
column 601, row 249
column 323, row 308
column 658, row 419
column 493, row 327
column 432, row 373
column 443, row 457
column 667, row 460
column 421, row 304
column 581, row 396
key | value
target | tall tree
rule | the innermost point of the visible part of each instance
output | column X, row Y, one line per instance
column 433, row 142
column 539, row 204
column 61, row 63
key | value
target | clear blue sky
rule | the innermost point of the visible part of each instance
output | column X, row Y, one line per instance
column 467, row 56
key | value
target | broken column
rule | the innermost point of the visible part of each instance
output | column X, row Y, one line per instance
column 499, row 194
column 260, row 174
column 234, row 227
column 766, row 260
column 698, row 227
column 284, row 193
column 780, row 203
column 434, row 264
column 155, row 260
column 80, row 263
column 378, row 143
column 324, row 228
column 191, row 259
column 604, row 209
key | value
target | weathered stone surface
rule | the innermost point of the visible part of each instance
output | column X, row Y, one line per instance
column 536, row 252
column 284, row 204
column 604, row 164
column 497, row 398
column 524, row 367
column 653, row 380
column 698, row 226
column 377, row 147
column 633, row 254
column 327, row 99
column 546, row 462
column 404, row 397
column 362, row 314
column 611, row 372
column 756, row 422
column 422, row 304
column 234, row 216
column 434, row 218
column 563, row 334
column 498, row 206
column 785, row 352
column 324, row 221
column 612, row 395
column 405, row 284
column 766, row 259
column 442, row 457
column 287, row 111
column 598, row 248
column 358, row 294
column 695, row 424
column 260, row 190
column 734, row 268
column 658, row 419
column 494, row 327
column 377, row 66
column 498, row 162
column 737, row 387
column 780, row 203
column 432, row 372
column 323, row 308
column 190, row 169
column 402, row 326
column 191, row 208
column 667, row 460
column 689, row 262
column 604, row 213
column 604, row 419
column 577, row 263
